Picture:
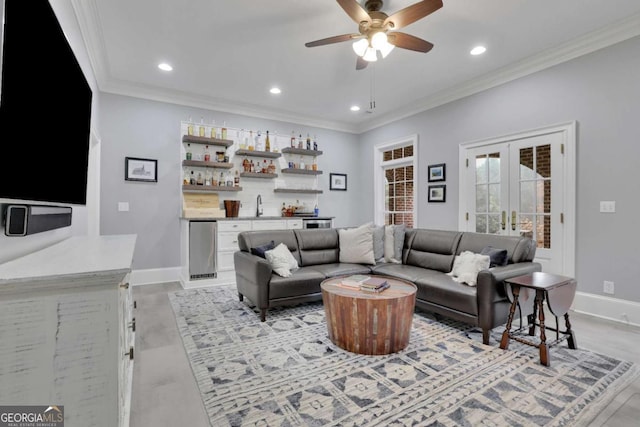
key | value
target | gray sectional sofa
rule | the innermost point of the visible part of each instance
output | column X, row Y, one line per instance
column 426, row 258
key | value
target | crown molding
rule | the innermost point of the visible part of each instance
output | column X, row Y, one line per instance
column 88, row 19
column 615, row 33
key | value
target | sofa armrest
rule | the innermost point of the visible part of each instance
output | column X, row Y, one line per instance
column 491, row 289
column 253, row 275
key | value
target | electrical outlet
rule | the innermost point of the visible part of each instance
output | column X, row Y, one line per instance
column 123, row 206
column 607, row 206
column 608, row 287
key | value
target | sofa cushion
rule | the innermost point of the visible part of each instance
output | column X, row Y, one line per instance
column 438, row 288
column 317, row 246
column 401, row 271
column 341, row 268
column 252, row 239
column 302, row 281
column 433, row 249
column 519, row 249
column 356, row 245
column 497, row 257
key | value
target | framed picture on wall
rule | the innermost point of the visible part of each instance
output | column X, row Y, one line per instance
column 437, row 172
column 338, row 181
column 437, row 194
column 145, row 170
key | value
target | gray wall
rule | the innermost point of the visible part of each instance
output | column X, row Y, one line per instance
column 601, row 91
column 133, row 127
column 14, row 247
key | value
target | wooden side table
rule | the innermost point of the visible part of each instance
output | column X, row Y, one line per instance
column 559, row 292
column 369, row 323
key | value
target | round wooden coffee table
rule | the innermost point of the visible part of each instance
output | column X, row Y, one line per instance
column 369, row 323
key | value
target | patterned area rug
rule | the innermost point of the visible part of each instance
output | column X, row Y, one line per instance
column 286, row 372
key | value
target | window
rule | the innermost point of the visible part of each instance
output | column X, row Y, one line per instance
column 395, row 183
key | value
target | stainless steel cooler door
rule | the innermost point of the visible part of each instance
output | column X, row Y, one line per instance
column 202, row 249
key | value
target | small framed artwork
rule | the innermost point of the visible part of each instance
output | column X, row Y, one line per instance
column 437, row 172
column 437, row 194
column 338, row 181
column 145, row 170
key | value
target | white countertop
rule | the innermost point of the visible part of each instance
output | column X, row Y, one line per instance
column 256, row 218
column 73, row 256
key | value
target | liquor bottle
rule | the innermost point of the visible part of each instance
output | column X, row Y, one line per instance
column 201, row 129
column 252, row 167
column 257, row 143
column 301, row 163
column 199, row 180
column 221, row 182
column 293, row 139
column 229, row 180
column 264, row 166
column 185, row 180
column 243, row 142
column 224, row 130
column 315, row 143
column 192, row 179
column 207, row 179
column 251, row 146
column 308, row 142
column 207, row 154
column 315, row 165
column 272, row 167
column 236, row 180
column 190, row 127
column 300, row 142
column 189, row 154
column 213, row 129
column 267, row 143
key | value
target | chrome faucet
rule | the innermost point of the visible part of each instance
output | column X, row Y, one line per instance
column 259, row 206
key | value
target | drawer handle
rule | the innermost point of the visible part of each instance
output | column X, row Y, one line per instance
column 235, row 241
column 235, row 225
column 130, row 353
column 125, row 285
column 132, row 325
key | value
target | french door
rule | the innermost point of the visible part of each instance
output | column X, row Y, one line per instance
column 517, row 187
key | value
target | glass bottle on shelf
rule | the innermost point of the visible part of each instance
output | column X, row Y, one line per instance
column 185, row 179
column 229, row 180
column 190, row 127
column 252, row 167
column 300, row 142
column 199, row 180
column 315, row 165
column 236, row 180
column 301, row 163
column 213, row 129
column 189, row 154
column 214, row 181
column 308, row 142
column 264, row 166
column 224, row 130
column 315, row 143
column 221, row 181
column 251, row 146
column 272, row 167
column 293, row 139
column 207, row 179
column 207, row 154
column 267, row 143
column 192, row 179
column 257, row 143
column 201, row 128
column 243, row 140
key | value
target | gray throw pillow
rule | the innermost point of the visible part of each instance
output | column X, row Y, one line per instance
column 399, row 231
column 498, row 257
column 378, row 243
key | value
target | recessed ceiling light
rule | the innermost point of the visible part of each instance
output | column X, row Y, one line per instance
column 165, row 67
column 478, row 50
column 275, row 90
column 355, row 108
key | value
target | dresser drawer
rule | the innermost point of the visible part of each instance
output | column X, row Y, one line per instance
column 234, row 226
column 294, row 224
column 225, row 260
column 228, row 242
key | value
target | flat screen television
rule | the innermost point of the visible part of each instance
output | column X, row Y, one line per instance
column 45, row 108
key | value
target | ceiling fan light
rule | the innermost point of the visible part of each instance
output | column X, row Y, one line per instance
column 378, row 40
column 386, row 49
column 370, row 55
column 360, row 47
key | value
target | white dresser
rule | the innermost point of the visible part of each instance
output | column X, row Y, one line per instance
column 66, row 330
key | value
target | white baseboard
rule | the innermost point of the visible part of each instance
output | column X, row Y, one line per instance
column 155, row 275
column 618, row 310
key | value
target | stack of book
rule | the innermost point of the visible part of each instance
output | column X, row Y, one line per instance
column 374, row 284
column 354, row 281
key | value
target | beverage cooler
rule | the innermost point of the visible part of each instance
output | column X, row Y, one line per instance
column 202, row 249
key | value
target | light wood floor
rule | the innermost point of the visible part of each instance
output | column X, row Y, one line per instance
column 165, row 392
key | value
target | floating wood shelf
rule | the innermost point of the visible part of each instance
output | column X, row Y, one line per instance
column 199, row 163
column 258, row 175
column 206, row 141
column 302, row 151
column 254, row 153
column 301, row 171
column 207, row 188
column 294, row 190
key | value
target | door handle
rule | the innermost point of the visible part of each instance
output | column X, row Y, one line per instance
column 503, row 223
column 513, row 220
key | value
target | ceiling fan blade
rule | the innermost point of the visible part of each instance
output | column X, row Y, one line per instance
column 361, row 63
column 334, row 39
column 355, row 11
column 407, row 41
column 412, row 13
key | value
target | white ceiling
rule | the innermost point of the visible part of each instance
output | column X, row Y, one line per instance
column 227, row 54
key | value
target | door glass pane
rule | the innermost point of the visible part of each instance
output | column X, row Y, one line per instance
column 481, row 198
column 494, row 224
column 494, row 167
column 526, row 163
column 544, row 196
column 481, row 169
column 481, row 223
column 543, row 161
column 543, row 231
column 526, row 225
column 527, row 197
column 494, row 197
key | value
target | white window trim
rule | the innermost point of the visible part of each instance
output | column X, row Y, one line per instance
column 378, row 179
column 568, row 130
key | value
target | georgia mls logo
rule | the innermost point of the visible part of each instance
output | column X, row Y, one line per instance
column 32, row 416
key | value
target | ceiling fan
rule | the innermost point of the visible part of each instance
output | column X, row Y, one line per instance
column 375, row 27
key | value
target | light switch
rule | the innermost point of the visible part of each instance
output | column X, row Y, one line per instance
column 607, row 206
column 123, row 206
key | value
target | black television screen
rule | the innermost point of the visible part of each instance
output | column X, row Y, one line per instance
column 45, row 109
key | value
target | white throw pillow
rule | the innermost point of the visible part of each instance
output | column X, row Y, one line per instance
column 466, row 267
column 356, row 245
column 281, row 260
column 393, row 243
